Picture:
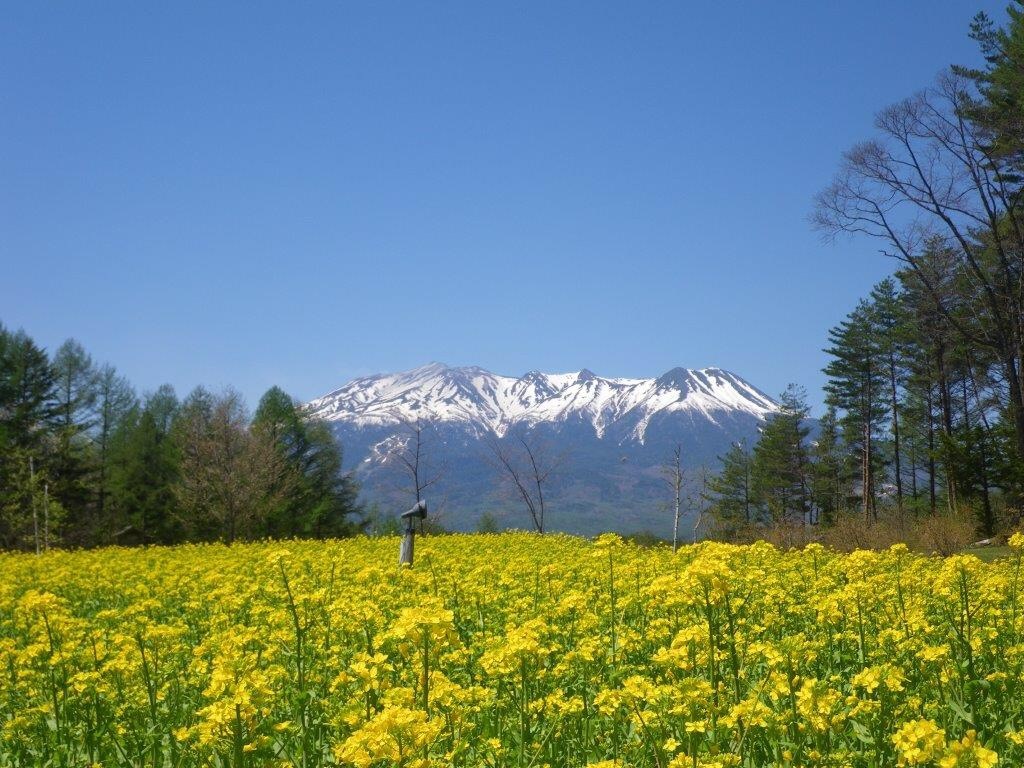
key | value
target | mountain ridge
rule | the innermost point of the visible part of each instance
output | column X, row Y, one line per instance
column 492, row 402
column 613, row 437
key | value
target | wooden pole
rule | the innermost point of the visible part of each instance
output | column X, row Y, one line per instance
column 408, row 541
column 405, row 553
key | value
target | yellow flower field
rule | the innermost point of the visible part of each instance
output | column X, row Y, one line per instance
column 509, row 650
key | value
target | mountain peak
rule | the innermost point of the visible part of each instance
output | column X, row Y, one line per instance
column 471, row 395
column 675, row 378
column 421, row 373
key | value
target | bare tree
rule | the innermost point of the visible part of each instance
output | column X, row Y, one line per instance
column 230, row 477
column 528, row 468
column 930, row 180
column 413, row 456
column 697, row 500
column 673, row 473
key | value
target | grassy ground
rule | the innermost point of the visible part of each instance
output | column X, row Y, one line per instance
column 988, row 554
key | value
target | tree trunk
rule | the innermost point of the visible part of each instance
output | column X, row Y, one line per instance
column 868, row 490
column 946, row 406
column 931, row 451
column 913, row 472
column 1010, row 368
column 896, row 433
column 678, row 505
column 988, row 518
column 746, row 492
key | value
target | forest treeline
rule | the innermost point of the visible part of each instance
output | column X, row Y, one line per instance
column 86, row 461
column 925, row 392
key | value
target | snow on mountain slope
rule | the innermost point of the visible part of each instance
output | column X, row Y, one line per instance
column 487, row 402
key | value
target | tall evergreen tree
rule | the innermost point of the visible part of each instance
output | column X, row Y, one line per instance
column 27, row 417
column 973, row 446
column 733, row 503
column 76, row 397
column 323, row 502
column 115, row 400
column 946, row 173
column 830, row 474
column 890, row 332
column 856, row 387
column 143, row 468
column 1000, row 85
column 83, row 462
column 934, row 298
column 781, row 464
column 919, row 440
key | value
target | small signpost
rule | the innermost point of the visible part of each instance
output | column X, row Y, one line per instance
column 417, row 512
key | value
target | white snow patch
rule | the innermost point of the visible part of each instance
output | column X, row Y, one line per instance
column 494, row 403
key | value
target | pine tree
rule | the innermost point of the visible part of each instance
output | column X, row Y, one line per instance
column 115, row 400
column 930, row 360
column 322, row 501
column 941, row 186
column 831, row 482
column 890, row 331
column 974, row 446
column 919, row 443
column 1001, row 89
column 27, row 416
column 71, row 462
column 733, row 503
column 143, row 466
column 781, row 464
column 856, row 387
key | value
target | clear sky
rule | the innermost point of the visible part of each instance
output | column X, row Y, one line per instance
column 299, row 193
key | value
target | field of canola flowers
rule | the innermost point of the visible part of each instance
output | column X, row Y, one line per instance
column 509, row 650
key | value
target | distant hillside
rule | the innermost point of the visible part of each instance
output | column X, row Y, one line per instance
column 611, row 436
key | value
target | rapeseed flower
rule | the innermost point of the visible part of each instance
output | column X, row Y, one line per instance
column 510, row 649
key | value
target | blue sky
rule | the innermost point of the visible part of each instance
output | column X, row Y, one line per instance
column 299, row 193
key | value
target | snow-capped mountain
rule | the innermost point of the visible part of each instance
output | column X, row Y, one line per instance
column 485, row 401
column 613, row 437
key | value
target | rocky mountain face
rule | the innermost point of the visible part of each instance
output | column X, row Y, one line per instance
column 607, row 438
